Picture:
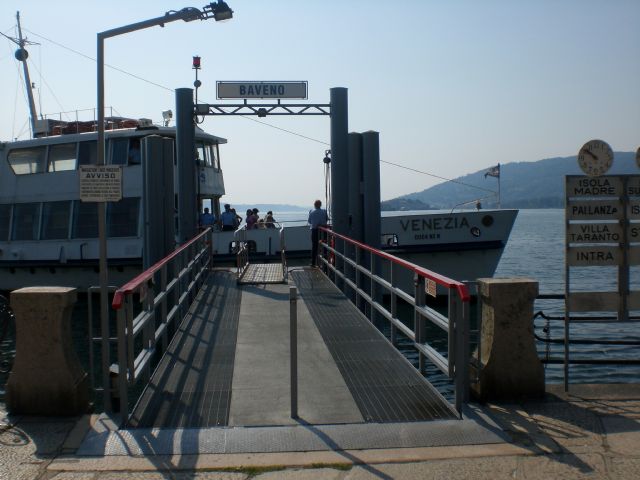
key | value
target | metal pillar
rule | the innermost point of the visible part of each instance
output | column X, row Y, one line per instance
column 371, row 187
column 339, row 160
column 356, row 228
column 185, row 140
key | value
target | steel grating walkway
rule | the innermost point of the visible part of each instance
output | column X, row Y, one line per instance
column 192, row 385
column 260, row 273
column 384, row 385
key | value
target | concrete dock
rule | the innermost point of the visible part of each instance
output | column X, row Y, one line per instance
column 218, row 407
column 594, row 432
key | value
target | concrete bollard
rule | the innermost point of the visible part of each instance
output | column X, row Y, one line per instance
column 47, row 378
column 511, row 369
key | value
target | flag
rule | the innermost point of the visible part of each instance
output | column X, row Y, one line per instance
column 493, row 172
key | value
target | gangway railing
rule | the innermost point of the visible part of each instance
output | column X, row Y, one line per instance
column 371, row 274
column 148, row 305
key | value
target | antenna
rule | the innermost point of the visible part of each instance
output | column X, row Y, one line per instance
column 22, row 55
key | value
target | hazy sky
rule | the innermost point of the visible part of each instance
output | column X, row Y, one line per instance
column 452, row 86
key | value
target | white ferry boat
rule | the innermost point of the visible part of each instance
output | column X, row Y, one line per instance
column 463, row 245
column 49, row 237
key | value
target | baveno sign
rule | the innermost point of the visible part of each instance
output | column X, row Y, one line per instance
column 227, row 90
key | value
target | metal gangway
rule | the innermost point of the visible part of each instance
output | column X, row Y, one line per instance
column 154, row 308
column 250, row 273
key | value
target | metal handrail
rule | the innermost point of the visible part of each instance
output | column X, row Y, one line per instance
column 349, row 261
column 165, row 292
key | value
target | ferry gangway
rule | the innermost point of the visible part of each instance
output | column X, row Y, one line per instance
column 149, row 308
column 366, row 275
column 252, row 272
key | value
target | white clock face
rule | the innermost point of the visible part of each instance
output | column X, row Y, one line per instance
column 595, row 158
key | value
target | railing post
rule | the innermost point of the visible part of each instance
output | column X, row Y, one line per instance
column 394, row 304
column 293, row 347
column 122, row 361
column 163, row 306
column 418, row 319
column 459, row 321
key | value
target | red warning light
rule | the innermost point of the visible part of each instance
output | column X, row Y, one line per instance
column 196, row 63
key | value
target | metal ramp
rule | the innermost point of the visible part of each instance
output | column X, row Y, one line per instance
column 259, row 273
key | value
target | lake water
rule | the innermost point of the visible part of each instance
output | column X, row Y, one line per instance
column 535, row 250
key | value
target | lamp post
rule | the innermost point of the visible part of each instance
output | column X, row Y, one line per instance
column 219, row 11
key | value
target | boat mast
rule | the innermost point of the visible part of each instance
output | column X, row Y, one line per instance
column 22, row 55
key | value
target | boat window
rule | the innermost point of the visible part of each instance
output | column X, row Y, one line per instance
column 85, row 220
column 122, row 218
column 119, row 147
column 5, row 218
column 88, row 153
column 55, row 220
column 202, row 155
column 27, row 160
column 25, row 221
column 62, row 157
column 134, row 151
column 214, row 156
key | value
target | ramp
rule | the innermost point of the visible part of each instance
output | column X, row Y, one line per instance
column 261, row 273
column 385, row 386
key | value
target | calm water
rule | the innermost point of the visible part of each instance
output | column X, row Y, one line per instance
column 535, row 250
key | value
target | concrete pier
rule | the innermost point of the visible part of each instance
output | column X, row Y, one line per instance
column 47, row 378
column 510, row 367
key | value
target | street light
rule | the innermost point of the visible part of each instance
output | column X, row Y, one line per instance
column 219, row 11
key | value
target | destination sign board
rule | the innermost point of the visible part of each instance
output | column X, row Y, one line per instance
column 580, row 186
column 594, row 256
column 100, row 183
column 594, row 210
column 633, row 232
column 633, row 186
column 633, row 255
column 633, row 210
column 262, row 90
column 594, row 233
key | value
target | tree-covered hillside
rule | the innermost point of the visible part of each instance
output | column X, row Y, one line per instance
column 522, row 185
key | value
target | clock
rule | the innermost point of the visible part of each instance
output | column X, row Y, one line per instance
column 595, row 158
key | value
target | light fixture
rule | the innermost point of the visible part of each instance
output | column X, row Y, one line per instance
column 220, row 11
column 167, row 115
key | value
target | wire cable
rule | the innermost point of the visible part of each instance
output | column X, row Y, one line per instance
column 253, row 119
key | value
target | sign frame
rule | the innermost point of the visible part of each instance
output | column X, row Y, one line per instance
column 99, row 188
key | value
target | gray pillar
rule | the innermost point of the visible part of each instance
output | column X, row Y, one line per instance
column 158, row 198
column 371, row 187
column 339, row 160
column 511, row 369
column 185, row 149
column 47, row 378
column 356, row 228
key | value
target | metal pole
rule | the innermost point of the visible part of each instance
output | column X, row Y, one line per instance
column 102, row 206
column 293, row 342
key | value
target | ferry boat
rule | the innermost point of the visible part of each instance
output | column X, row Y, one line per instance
column 48, row 236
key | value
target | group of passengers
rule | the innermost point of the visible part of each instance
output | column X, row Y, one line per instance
column 230, row 220
column 254, row 221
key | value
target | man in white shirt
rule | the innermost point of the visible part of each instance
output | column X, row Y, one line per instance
column 317, row 218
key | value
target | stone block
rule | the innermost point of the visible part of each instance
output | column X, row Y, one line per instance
column 47, row 378
column 511, row 369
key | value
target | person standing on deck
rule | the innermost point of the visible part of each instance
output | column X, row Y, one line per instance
column 207, row 219
column 228, row 219
column 317, row 218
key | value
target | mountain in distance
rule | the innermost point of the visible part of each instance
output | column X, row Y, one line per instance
column 265, row 207
column 522, row 185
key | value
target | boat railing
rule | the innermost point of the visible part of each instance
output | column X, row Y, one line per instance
column 242, row 254
column 149, row 307
column 367, row 275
